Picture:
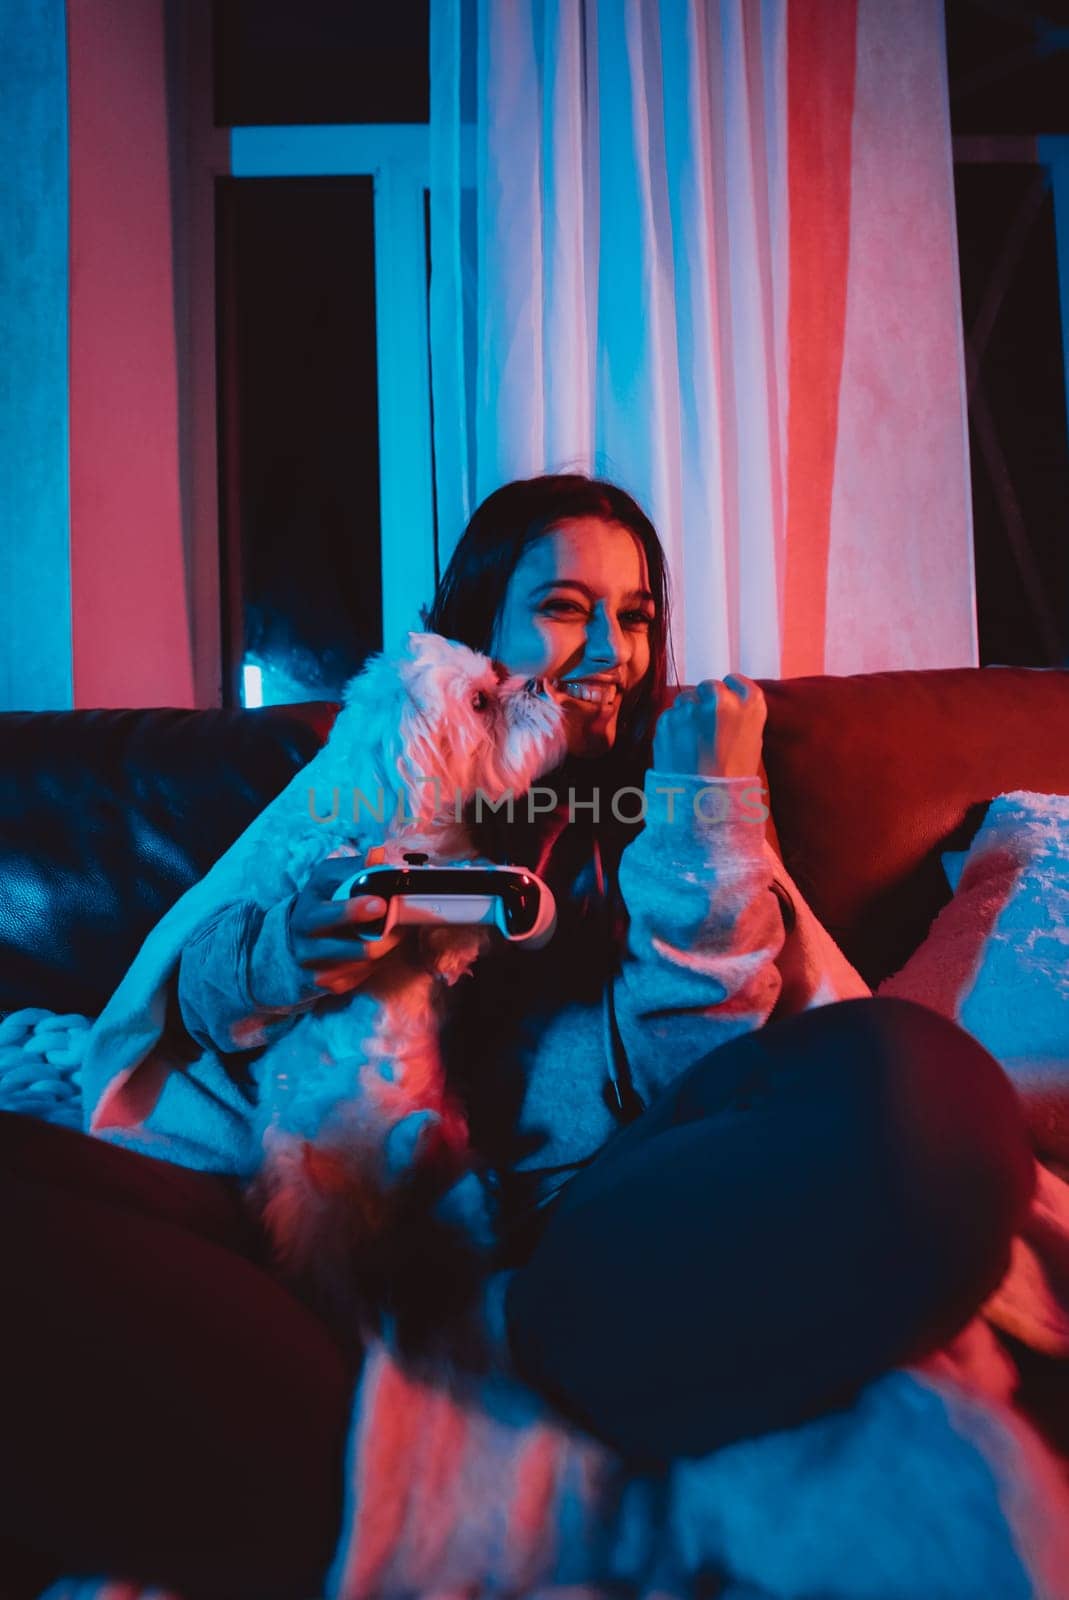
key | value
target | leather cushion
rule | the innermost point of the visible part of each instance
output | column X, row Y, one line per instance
column 872, row 776
column 106, row 817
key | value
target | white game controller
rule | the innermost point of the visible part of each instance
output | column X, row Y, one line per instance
column 513, row 900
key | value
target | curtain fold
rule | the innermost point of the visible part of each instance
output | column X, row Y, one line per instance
column 674, row 286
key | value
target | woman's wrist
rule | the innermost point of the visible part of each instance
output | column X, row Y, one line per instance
column 693, row 802
column 277, row 981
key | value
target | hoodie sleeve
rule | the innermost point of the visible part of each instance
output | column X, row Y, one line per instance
column 239, row 984
column 705, row 925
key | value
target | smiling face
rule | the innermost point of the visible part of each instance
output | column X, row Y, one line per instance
column 577, row 613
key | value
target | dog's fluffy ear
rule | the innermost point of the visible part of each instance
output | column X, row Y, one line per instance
column 428, row 723
column 367, row 738
column 441, row 733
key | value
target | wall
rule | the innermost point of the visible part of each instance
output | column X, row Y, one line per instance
column 131, row 626
column 35, row 628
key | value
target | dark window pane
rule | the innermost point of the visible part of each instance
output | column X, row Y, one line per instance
column 1018, row 439
column 305, row 61
column 1008, row 66
column 298, row 431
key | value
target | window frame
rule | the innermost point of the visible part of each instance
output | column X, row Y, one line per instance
column 396, row 157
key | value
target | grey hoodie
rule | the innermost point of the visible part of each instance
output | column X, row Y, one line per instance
column 554, row 1049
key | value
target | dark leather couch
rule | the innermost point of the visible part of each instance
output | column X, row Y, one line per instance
column 107, row 816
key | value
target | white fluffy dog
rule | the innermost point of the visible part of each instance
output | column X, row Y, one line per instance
column 360, row 1131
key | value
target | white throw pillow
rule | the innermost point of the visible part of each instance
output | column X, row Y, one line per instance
column 996, row 959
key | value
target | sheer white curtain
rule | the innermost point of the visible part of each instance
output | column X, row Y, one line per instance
column 649, row 266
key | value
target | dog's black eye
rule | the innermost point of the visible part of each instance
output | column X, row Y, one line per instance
column 479, row 700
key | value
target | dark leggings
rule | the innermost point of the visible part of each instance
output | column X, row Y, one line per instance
column 808, row 1206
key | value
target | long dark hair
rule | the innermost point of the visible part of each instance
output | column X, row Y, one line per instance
column 471, row 594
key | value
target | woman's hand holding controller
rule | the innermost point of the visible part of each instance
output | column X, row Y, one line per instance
column 325, row 934
column 715, row 730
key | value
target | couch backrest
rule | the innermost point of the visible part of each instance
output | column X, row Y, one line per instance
column 873, row 776
column 106, row 817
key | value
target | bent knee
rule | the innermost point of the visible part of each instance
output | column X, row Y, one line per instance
column 954, row 1118
column 935, row 1103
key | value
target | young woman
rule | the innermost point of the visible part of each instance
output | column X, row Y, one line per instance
column 725, row 1200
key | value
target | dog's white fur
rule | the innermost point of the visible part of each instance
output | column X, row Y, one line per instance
column 353, row 1100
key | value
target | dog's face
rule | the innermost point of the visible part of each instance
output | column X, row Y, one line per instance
column 464, row 723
